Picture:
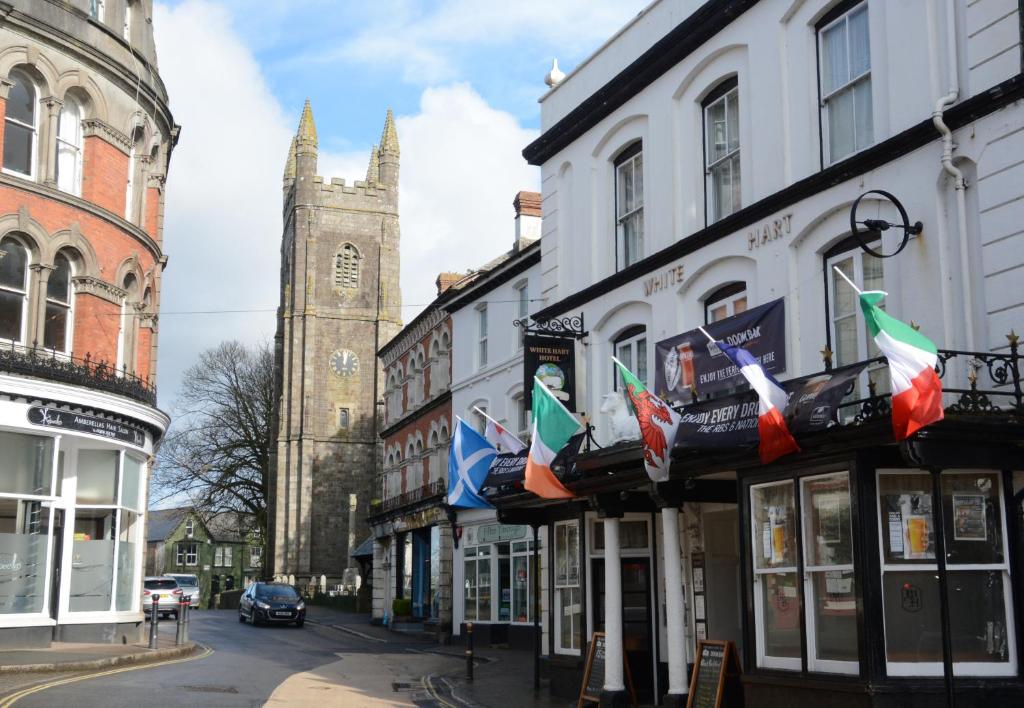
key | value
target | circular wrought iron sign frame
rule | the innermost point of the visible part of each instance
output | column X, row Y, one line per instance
column 880, row 225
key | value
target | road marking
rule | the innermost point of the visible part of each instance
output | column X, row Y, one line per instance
column 15, row 697
column 350, row 631
column 428, row 686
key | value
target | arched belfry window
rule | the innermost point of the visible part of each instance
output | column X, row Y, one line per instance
column 21, row 126
column 13, row 289
column 346, row 267
column 57, row 328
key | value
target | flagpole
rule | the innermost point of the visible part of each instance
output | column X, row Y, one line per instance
column 499, row 425
column 843, row 276
column 557, row 402
column 705, row 333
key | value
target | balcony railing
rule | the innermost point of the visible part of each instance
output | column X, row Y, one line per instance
column 66, row 368
column 437, row 488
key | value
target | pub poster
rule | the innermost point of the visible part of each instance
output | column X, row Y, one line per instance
column 553, row 361
column 911, row 529
column 687, row 367
column 969, row 517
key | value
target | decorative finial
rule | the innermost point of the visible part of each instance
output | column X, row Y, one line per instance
column 1013, row 338
column 373, row 170
column 915, row 326
column 289, row 165
column 555, row 76
column 389, row 137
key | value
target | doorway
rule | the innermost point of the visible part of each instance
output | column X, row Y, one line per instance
column 637, row 625
column 724, row 598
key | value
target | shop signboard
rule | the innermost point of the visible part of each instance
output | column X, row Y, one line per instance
column 687, row 367
column 731, row 421
column 50, row 417
column 553, row 361
column 715, row 673
column 593, row 672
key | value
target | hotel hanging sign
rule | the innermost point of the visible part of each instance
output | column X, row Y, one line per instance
column 48, row 417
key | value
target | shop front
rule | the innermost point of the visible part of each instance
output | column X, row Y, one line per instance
column 72, row 513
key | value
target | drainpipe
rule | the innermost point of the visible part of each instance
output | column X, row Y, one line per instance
column 959, row 185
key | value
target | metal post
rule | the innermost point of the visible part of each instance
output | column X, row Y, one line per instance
column 533, row 602
column 469, row 651
column 179, row 636
column 188, row 618
column 154, row 619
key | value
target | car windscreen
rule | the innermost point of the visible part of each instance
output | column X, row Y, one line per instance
column 190, row 581
column 277, row 593
column 161, row 584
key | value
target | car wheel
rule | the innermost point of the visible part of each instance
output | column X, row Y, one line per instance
column 299, row 623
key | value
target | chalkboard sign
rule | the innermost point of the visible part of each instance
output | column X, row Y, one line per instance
column 716, row 660
column 593, row 672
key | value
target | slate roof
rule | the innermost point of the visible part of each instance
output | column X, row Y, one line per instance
column 162, row 522
column 226, row 527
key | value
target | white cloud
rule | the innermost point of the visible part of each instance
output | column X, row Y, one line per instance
column 460, row 169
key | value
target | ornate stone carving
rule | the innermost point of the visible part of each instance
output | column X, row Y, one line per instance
column 97, row 127
column 90, row 285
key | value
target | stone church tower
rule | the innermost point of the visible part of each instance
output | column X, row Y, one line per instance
column 340, row 301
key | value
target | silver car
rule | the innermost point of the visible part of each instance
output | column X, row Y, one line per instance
column 189, row 585
column 169, row 596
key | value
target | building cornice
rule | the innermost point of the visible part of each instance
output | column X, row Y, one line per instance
column 432, row 316
column 90, row 285
column 872, row 158
column 107, row 132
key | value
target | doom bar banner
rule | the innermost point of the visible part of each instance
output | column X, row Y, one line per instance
column 688, row 367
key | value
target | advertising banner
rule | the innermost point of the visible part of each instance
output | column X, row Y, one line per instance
column 731, row 421
column 511, row 467
column 553, row 361
column 687, row 367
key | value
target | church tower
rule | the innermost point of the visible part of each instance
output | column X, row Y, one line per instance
column 340, row 301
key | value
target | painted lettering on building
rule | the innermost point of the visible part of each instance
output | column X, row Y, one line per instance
column 663, row 281
column 769, row 231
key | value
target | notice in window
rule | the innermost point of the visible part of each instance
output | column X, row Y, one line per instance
column 969, row 517
column 895, row 532
column 914, row 511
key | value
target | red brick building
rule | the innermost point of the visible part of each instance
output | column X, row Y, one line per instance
column 86, row 134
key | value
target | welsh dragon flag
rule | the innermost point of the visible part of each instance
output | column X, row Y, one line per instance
column 553, row 425
column 658, row 424
column 916, row 390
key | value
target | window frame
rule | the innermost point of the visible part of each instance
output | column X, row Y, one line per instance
column 182, row 554
column 567, row 584
column 68, row 307
column 726, row 89
column 728, row 295
column 482, row 335
column 631, row 337
column 65, row 144
column 629, row 156
column 346, row 267
column 840, row 14
column 33, row 173
column 24, row 293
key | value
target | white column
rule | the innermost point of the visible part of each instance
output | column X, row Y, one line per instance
column 674, row 602
column 612, row 607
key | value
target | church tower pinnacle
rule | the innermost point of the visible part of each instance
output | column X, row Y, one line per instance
column 389, row 152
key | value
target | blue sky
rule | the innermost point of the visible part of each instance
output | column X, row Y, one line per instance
column 463, row 77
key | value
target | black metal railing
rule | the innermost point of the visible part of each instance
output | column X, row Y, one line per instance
column 437, row 488
column 66, row 368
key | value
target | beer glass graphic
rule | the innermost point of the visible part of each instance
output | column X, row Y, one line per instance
column 917, row 531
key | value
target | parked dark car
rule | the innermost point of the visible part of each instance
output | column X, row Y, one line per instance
column 272, row 603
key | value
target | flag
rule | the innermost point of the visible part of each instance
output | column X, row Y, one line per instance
column 776, row 439
column 916, row 389
column 468, row 465
column 497, row 435
column 658, row 425
column 553, row 425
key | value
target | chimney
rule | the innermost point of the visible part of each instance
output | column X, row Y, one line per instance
column 446, row 280
column 527, row 205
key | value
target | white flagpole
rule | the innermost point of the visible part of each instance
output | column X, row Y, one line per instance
column 499, row 425
column 843, row 276
column 705, row 333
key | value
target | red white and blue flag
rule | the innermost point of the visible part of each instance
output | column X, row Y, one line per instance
column 776, row 439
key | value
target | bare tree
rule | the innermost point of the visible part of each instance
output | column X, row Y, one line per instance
column 217, row 453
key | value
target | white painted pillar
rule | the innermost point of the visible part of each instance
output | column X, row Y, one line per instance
column 674, row 603
column 613, row 673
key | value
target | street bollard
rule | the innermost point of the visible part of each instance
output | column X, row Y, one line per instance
column 181, row 636
column 469, row 651
column 154, row 619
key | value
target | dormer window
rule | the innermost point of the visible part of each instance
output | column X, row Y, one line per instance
column 190, row 528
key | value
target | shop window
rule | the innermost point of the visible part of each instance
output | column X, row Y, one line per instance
column 128, row 533
column 187, row 554
column 481, row 331
column 725, row 302
column 57, row 325
column 69, row 147
column 21, row 126
column 776, row 588
column 844, row 48
column 568, row 599
column 97, row 477
column 27, row 464
column 629, row 206
column 632, row 536
column 722, row 150
column 973, row 531
column 477, row 595
column 631, row 349
column 848, row 330
column 13, row 289
column 93, row 556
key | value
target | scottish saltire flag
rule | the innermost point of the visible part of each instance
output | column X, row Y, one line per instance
column 553, row 425
column 658, row 424
column 916, row 390
column 468, row 464
column 497, row 435
column 776, row 439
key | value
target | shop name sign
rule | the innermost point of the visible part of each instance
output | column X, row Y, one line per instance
column 664, row 281
column 769, row 231
column 47, row 417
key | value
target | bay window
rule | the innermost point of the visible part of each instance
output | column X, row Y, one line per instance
column 722, row 150
column 568, row 604
column 844, row 48
column 629, row 206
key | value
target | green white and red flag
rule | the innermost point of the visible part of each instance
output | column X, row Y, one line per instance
column 916, row 389
column 553, row 425
column 658, row 424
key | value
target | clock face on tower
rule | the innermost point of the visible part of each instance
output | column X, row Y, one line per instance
column 344, row 362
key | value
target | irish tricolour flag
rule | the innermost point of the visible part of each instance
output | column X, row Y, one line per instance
column 553, row 425
column 658, row 425
column 916, row 390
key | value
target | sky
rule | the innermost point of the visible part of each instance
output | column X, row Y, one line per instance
column 463, row 78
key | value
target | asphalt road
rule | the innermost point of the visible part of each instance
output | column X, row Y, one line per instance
column 256, row 666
